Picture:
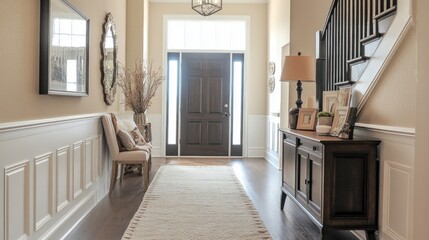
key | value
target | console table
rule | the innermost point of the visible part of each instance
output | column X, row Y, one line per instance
column 334, row 181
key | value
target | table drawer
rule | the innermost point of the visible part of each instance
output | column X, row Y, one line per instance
column 311, row 146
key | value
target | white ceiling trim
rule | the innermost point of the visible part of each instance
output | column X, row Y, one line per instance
column 224, row 1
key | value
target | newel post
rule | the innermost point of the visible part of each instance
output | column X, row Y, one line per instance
column 320, row 68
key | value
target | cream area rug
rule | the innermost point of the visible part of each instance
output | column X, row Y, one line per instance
column 196, row 202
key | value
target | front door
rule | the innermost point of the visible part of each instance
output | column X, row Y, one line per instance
column 205, row 103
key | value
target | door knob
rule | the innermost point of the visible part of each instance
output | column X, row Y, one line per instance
column 226, row 105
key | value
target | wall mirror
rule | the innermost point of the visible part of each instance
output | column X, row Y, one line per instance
column 64, row 42
column 109, row 65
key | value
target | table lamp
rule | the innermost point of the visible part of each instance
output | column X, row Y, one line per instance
column 302, row 69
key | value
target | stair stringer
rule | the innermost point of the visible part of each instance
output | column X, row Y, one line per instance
column 378, row 62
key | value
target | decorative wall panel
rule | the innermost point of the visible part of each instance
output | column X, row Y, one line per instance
column 78, row 168
column 17, row 201
column 89, row 156
column 396, row 177
column 43, row 189
column 397, row 189
column 63, row 178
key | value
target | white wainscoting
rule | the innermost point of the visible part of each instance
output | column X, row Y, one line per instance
column 157, row 134
column 256, row 135
column 272, row 147
column 396, row 179
column 54, row 172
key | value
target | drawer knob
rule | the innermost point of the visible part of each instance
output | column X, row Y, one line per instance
column 306, row 181
column 314, row 148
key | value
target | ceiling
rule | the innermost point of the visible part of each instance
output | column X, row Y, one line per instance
column 224, row 1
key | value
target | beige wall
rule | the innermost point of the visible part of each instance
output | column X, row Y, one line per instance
column 393, row 99
column 278, row 37
column 19, row 51
column 137, row 30
column 421, row 164
column 258, row 54
column 305, row 22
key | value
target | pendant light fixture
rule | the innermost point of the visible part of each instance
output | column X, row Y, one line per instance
column 206, row 7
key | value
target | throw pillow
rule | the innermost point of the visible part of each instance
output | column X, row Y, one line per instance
column 137, row 136
column 116, row 128
column 126, row 140
column 145, row 148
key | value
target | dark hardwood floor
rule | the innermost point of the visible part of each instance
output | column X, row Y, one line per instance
column 109, row 219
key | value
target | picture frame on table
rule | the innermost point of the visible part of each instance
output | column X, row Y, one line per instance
column 341, row 116
column 330, row 101
column 306, row 119
column 344, row 97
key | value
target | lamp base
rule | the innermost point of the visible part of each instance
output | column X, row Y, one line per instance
column 293, row 117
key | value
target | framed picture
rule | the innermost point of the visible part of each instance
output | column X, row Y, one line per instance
column 330, row 101
column 306, row 119
column 64, row 49
column 344, row 97
column 341, row 116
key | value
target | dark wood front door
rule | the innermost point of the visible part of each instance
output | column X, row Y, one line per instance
column 205, row 104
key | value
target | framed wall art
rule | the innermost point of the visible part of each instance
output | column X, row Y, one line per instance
column 64, row 49
column 306, row 119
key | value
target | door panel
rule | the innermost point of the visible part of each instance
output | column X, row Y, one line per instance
column 289, row 164
column 302, row 176
column 195, row 96
column 205, row 91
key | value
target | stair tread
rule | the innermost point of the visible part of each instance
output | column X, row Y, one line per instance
column 349, row 82
column 370, row 38
column 386, row 13
column 357, row 60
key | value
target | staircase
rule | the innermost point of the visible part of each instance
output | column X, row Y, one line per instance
column 357, row 41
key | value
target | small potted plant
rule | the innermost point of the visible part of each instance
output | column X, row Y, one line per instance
column 324, row 118
column 324, row 123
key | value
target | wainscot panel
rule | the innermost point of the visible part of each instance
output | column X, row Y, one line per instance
column 272, row 141
column 396, row 179
column 54, row 172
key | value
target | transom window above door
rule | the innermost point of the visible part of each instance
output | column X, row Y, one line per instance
column 197, row 34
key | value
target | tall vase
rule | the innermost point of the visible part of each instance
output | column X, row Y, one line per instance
column 141, row 120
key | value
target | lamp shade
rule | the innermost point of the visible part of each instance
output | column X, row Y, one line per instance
column 299, row 68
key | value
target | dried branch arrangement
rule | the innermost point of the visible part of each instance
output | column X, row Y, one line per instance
column 139, row 84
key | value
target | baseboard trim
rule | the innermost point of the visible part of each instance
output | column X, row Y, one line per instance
column 67, row 216
column 272, row 159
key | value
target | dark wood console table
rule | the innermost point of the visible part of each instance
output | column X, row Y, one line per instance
column 334, row 181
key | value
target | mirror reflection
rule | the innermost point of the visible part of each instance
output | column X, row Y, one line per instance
column 66, row 56
column 109, row 48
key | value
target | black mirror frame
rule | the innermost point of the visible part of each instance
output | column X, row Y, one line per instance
column 109, row 88
column 45, row 50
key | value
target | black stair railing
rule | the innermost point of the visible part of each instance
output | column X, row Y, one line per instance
column 349, row 25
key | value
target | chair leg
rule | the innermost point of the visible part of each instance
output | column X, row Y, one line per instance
column 122, row 172
column 145, row 175
column 113, row 177
column 150, row 162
